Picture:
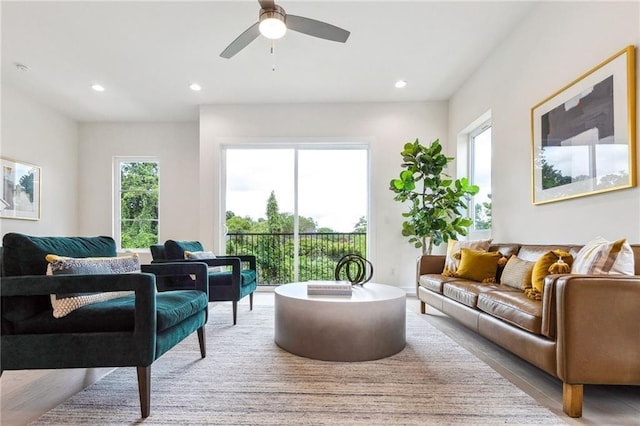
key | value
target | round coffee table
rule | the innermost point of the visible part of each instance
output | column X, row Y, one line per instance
column 370, row 324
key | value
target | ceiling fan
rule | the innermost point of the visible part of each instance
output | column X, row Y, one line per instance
column 273, row 23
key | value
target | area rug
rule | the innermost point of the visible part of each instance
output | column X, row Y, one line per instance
column 246, row 379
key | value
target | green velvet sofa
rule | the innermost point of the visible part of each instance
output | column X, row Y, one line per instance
column 130, row 331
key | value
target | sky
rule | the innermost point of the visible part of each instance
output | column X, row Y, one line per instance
column 332, row 184
column 482, row 165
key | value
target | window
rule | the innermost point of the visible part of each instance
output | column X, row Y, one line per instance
column 136, row 203
column 480, row 174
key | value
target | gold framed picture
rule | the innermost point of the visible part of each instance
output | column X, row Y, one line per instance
column 583, row 136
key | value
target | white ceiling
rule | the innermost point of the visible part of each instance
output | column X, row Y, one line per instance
column 147, row 53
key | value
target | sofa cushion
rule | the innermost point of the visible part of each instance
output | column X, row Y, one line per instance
column 452, row 259
column 116, row 315
column 247, row 276
column 478, row 265
column 532, row 252
column 434, row 282
column 25, row 255
column 466, row 292
column 174, row 250
column 157, row 252
column 517, row 273
column 507, row 250
column 600, row 256
column 513, row 307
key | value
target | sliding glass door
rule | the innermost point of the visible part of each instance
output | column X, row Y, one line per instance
column 298, row 208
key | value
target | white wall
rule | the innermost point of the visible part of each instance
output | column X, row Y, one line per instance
column 176, row 147
column 387, row 126
column 556, row 43
column 36, row 134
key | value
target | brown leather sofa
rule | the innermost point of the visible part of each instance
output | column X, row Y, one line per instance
column 585, row 330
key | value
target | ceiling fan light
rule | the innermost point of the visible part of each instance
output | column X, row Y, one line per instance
column 272, row 25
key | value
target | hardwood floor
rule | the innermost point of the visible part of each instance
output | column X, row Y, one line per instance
column 603, row 405
column 26, row 395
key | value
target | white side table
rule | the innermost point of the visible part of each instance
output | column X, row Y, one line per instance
column 368, row 325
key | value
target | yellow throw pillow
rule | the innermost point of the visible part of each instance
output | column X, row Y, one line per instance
column 478, row 265
column 541, row 267
column 452, row 259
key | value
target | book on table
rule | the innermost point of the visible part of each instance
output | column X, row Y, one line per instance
column 329, row 288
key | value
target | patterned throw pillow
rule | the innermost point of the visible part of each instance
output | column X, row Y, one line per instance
column 63, row 304
column 198, row 255
column 478, row 265
column 604, row 257
column 452, row 261
column 517, row 273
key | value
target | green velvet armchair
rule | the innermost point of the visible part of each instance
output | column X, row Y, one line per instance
column 130, row 331
column 226, row 285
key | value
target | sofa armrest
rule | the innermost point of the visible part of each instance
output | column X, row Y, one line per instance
column 233, row 261
column 180, row 269
column 430, row 264
column 236, row 267
column 597, row 327
column 548, row 326
column 143, row 285
column 43, row 285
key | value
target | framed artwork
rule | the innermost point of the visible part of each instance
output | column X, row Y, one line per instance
column 21, row 184
column 583, row 136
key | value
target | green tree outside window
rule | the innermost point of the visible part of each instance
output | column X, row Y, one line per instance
column 138, row 204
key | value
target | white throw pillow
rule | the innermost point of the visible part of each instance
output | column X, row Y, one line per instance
column 600, row 256
column 199, row 255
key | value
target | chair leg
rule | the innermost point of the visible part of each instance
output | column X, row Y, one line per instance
column 251, row 301
column 144, row 389
column 235, row 311
column 202, row 341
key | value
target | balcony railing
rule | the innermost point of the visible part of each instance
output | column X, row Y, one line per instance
column 318, row 254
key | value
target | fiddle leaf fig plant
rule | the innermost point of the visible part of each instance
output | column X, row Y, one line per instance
column 437, row 203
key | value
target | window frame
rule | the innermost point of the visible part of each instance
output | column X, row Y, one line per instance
column 117, row 191
column 475, row 131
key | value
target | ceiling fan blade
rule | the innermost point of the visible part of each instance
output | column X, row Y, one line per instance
column 316, row 28
column 267, row 4
column 241, row 41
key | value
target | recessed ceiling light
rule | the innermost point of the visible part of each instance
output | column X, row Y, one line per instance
column 195, row 87
column 97, row 87
column 400, row 84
